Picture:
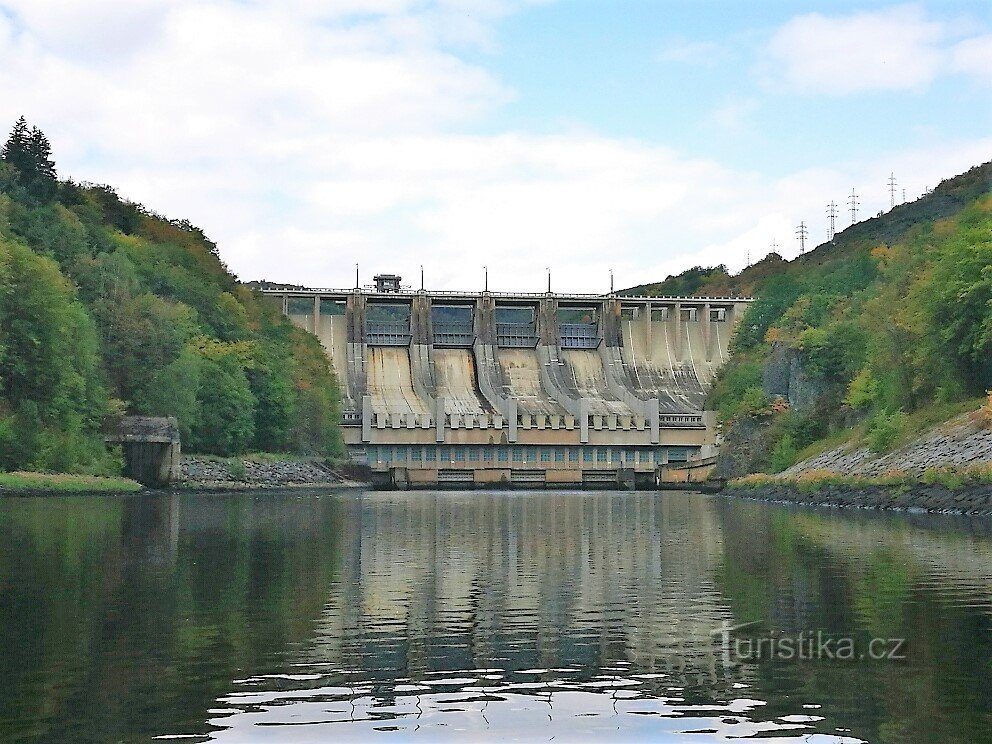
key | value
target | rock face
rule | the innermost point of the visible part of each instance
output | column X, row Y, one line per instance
column 209, row 473
column 784, row 375
column 960, row 442
column 744, row 448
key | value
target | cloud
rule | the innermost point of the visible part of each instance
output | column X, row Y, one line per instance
column 897, row 48
column 705, row 53
column 734, row 116
column 304, row 136
column 974, row 56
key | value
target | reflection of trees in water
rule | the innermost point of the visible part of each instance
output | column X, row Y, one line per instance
column 925, row 578
column 463, row 581
column 126, row 618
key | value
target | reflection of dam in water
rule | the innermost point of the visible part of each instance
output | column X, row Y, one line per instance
column 464, row 388
column 458, row 581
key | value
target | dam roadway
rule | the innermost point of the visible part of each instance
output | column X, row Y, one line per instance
column 531, row 390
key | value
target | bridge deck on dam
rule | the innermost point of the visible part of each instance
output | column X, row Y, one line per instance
column 502, row 387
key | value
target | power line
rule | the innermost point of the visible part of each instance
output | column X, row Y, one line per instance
column 892, row 190
column 853, row 204
column 832, row 214
column 802, row 233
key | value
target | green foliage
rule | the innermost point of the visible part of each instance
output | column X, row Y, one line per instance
column 30, row 483
column 236, row 470
column 863, row 390
column 29, row 155
column 896, row 316
column 141, row 337
column 688, row 283
column 784, row 453
column 946, row 477
column 49, row 367
column 174, row 390
column 272, row 384
column 100, row 297
column 884, row 429
column 226, row 423
column 738, row 391
column 833, row 351
column 777, row 296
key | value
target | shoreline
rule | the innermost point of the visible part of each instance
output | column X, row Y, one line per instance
column 973, row 499
column 208, row 475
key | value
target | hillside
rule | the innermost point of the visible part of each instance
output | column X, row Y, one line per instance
column 107, row 308
column 884, row 331
column 947, row 199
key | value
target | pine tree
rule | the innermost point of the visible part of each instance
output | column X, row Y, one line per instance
column 17, row 150
column 40, row 150
column 29, row 153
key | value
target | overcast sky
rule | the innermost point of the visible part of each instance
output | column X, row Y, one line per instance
column 306, row 135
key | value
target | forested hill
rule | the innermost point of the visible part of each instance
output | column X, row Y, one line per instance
column 883, row 331
column 714, row 281
column 108, row 308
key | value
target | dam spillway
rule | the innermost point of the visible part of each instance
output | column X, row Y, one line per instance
column 473, row 388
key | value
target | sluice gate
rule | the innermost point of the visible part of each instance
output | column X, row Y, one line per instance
column 469, row 389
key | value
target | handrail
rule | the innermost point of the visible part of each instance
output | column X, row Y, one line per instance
column 505, row 295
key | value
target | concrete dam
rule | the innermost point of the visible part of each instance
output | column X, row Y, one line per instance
column 549, row 389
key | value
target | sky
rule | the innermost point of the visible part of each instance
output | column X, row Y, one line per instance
column 576, row 136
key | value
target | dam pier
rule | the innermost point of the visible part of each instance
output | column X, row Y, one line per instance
column 547, row 389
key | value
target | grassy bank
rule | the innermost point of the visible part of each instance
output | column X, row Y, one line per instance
column 951, row 478
column 59, row 483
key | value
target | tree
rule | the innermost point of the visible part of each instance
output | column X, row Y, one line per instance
column 51, row 395
column 40, row 152
column 17, row 150
column 141, row 336
column 30, row 154
column 227, row 408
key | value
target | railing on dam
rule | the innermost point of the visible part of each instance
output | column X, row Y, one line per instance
column 449, row 294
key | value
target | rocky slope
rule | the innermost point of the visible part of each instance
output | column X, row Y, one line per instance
column 962, row 442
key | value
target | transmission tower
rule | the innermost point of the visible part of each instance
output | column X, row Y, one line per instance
column 832, row 214
column 904, row 196
column 892, row 190
column 853, row 203
column 802, row 233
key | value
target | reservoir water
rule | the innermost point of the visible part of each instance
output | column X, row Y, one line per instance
column 540, row 616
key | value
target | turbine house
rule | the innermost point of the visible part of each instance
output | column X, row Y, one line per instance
column 490, row 388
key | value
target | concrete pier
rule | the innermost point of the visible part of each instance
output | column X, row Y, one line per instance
column 151, row 448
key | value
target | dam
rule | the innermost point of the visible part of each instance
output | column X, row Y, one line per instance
column 546, row 389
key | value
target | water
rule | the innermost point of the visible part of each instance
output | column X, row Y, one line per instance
column 463, row 616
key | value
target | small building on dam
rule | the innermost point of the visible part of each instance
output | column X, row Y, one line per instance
column 487, row 388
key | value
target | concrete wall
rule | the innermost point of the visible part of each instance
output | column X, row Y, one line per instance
column 640, row 381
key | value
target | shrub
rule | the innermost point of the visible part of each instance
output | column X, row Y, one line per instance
column 950, row 478
column 884, row 430
column 985, row 412
column 784, row 453
column 237, row 471
column 863, row 390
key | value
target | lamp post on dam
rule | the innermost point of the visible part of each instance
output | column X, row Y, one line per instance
column 549, row 389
